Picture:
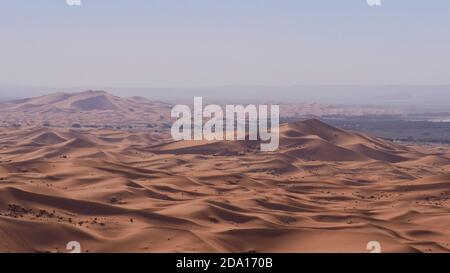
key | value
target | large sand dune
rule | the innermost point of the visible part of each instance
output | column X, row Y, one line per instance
column 93, row 108
column 325, row 190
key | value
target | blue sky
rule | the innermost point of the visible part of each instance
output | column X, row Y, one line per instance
column 138, row 43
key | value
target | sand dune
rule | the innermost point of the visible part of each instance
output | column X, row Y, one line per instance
column 325, row 190
column 89, row 108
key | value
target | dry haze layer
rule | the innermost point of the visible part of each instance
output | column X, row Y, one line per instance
column 325, row 190
column 101, row 109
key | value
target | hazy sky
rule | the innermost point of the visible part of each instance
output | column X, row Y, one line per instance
column 223, row 42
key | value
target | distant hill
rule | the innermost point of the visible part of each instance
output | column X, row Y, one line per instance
column 90, row 108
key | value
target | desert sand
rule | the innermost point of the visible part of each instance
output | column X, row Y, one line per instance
column 324, row 190
column 90, row 108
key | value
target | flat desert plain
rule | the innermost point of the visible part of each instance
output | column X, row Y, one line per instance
column 324, row 190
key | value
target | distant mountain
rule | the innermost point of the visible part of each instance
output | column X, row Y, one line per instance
column 90, row 108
